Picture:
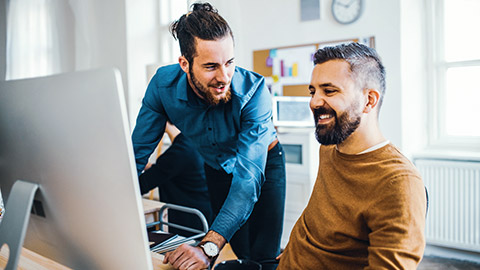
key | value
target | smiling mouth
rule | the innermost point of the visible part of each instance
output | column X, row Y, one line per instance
column 324, row 118
column 219, row 88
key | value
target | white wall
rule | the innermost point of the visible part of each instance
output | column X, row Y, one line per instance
column 3, row 39
column 142, row 49
column 100, row 35
column 414, row 74
column 265, row 24
column 93, row 34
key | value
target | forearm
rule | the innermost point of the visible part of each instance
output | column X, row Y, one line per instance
column 218, row 239
column 242, row 195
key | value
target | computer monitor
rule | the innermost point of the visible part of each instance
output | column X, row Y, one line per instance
column 292, row 111
column 69, row 134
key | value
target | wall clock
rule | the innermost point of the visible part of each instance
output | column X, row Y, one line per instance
column 347, row 11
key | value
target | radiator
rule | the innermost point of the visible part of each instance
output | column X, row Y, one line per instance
column 453, row 218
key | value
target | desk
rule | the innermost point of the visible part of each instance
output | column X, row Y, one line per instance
column 30, row 260
column 151, row 209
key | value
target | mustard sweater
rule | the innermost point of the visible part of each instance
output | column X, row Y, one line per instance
column 366, row 211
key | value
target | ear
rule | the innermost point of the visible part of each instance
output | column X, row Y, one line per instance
column 184, row 65
column 372, row 96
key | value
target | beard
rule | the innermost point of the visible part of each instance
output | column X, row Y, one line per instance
column 342, row 128
column 207, row 95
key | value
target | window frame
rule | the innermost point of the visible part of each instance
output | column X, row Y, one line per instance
column 437, row 68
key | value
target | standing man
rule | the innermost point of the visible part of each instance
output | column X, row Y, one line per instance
column 367, row 209
column 226, row 112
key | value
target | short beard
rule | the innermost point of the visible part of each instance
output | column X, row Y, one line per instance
column 210, row 98
column 344, row 126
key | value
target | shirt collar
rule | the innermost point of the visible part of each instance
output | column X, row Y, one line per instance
column 182, row 88
column 371, row 149
column 375, row 147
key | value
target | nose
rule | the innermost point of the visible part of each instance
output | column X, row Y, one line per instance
column 317, row 101
column 223, row 75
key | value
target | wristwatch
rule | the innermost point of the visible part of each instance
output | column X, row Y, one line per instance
column 210, row 249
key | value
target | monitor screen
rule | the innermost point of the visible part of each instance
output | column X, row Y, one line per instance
column 69, row 134
column 292, row 111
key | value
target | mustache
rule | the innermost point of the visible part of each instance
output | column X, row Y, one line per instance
column 219, row 84
column 322, row 110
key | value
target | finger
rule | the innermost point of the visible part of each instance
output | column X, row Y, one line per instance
column 200, row 263
column 165, row 258
column 181, row 262
column 182, row 255
column 186, row 264
column 190, row 259
column 169, row 256
column 196, row 265
column 173, row 256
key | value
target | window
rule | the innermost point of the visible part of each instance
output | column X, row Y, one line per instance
column 454, row 64
column 31, row 41
column 170, row 10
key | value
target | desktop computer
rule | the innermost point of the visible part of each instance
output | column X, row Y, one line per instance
column 66, row 155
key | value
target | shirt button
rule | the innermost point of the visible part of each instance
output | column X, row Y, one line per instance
column 213, row 144
column 209, row 128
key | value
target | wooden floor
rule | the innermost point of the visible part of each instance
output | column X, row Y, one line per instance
column 437, row 263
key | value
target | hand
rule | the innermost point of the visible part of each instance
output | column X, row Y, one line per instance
column 148, row 166
column 187, row 257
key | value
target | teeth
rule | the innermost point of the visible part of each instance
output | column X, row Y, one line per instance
column 325, row 116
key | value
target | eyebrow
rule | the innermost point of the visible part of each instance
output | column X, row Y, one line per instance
column 324, row 85
column 216, row 64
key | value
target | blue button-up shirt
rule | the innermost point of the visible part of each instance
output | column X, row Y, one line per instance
column 232, row 136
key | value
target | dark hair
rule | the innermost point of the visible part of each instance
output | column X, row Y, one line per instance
column 202, row 22
column 366, row 68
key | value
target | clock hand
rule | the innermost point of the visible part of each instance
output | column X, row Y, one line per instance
column 342, row 4
column 349, row 3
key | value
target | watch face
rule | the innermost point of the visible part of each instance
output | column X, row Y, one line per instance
column 347, row 11
column 210, row 249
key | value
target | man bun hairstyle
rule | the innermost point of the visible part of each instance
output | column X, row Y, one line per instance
column 202, row 22
column 366, row 67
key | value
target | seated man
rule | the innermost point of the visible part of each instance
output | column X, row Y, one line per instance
column 180, row 177
column 367, row 209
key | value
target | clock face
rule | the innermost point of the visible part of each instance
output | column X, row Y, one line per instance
column 347, row 11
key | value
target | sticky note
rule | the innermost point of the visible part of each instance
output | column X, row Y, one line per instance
column 275, row 78
column 295, row 69
column 273, row 53
column 282, row 69
column 269, row 62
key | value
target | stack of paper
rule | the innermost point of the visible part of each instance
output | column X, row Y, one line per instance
column 162, row 242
